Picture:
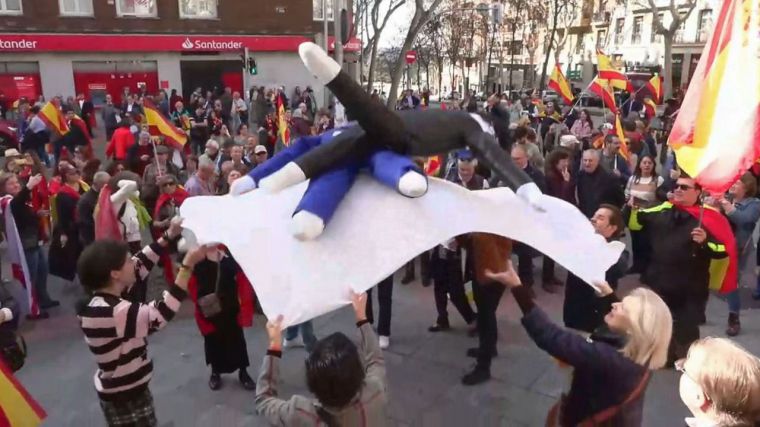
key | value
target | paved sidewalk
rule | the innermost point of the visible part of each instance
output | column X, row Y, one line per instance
column 424, row 369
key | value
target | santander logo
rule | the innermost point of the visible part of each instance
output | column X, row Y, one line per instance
column 211, row 44
column 22, row 44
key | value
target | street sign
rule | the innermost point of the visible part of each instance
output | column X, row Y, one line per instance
column 411, row 56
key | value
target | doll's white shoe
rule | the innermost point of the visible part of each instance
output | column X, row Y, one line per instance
column 291, row 174
column 318, row 62
column 242, row 185
column 307, row 226
column 412, row 184
column 187, row 241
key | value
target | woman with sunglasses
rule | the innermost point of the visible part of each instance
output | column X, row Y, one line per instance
column 720, row 384
column 65, row 246
column 641, row 193
column 609, row 378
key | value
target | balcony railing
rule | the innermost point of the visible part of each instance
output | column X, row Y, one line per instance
column 602, row 17
column 702, row 36
column 636, row 39
column 618, row 39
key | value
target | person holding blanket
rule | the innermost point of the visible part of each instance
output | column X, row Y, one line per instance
column 609, row 380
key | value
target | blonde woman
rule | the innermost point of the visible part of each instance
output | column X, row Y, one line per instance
column 610, row 376
column 720, row 384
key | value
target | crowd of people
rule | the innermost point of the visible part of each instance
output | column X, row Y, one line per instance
column 87, row 221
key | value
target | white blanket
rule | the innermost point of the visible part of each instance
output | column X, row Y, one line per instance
column 373, row 233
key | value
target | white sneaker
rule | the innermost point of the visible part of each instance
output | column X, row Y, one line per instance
column 295, row 342
column 384, row 341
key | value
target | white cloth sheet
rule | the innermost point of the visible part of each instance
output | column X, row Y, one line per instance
column 373, row 233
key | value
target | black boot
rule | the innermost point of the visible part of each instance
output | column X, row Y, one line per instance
column 734, row 326
column 215, row 381
column 477, row 376
column 245, row 380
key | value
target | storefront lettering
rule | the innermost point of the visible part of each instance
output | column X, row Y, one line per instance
column 211, row 45
column 18, row 44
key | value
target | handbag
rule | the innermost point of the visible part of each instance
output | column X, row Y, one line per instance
column 14, row 353
column 210, row 305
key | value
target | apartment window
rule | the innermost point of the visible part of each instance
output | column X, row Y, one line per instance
column 681, row 31
column 638, row 23
column 579, row 44
column 197, row 9
column 319, row 12
column 10, row 7
column 141, row 8
column 656, row 38
column 705, row 25
column 601, row 38
column 619, row 30
column 76, row 7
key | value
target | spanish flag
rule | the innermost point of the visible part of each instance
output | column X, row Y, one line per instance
column 53, row 118
column 624, row 151
column 283, row 129
column 158, row 125
column 607, row 71
column 433, row 166
column 17, row 407
column 650, row 108
column 716, row 136
column 559, row 83
column 603, row 89
column 654, row 86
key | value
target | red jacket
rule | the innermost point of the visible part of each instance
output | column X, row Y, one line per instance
column 245, row 300
column 121, row 140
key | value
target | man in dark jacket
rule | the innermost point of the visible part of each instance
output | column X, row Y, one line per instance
column 596, row 186
column 85, row 110
column 679, row 270
column 111, row 115
column 86, row 208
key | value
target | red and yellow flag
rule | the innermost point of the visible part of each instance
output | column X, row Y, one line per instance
column 624, row 151
column 607, row 71
column 559, row 83
column 654, row 86
column 650, row 108
column 283, row 128
column 433, row 166
column 603, row 89
column 53, row 118
column 158, row 125
column 17, row 407
column 716, row 136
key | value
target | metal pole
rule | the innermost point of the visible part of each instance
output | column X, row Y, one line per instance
column 337, row 31
column 246, row 83
column 325, row 30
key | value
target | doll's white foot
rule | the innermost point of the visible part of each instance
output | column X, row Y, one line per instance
column 533, row 195
column 412, row 184
column 291, row 174
column 316, row 60
column 307, row 226
column 242, row 185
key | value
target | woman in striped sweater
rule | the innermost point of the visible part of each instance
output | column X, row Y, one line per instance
column 115, row 329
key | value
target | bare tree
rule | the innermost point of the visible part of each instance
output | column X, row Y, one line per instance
column 558, row 9
column 421, row 16
column 680, row 13
column 516, row 18
column 537, row 14
column 436, row 43
column 376, row 18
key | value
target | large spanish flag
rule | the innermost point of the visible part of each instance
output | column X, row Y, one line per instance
column 716, row 136
column 624, row 150
column 53, row 118
column 17, row 407
column 559, row 83
column 607, row 71
column 158, row 125
column 603, row 89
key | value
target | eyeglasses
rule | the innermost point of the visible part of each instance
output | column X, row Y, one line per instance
column 684, row 187
column 680, row 367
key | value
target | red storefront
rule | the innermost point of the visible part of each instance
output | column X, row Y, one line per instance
column 96, row 64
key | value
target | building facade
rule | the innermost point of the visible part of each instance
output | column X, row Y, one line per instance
column 65, row 47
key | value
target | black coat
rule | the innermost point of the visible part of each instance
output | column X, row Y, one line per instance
column 597, row 188
column 85, row 220
column 63, row 258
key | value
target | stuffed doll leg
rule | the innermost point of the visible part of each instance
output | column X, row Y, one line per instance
column 320, row 201
column 277, row 163
column 398, row 172
column 383, row 125
column 340, row 148
column 487, row 150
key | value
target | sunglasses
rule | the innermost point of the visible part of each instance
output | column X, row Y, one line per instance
column 168, row 184
column 684, row 187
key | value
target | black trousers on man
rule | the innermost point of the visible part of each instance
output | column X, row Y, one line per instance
column 449, row 283
column 487, row 297
column 384, row 298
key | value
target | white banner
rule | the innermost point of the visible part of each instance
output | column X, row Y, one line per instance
column 376, row 231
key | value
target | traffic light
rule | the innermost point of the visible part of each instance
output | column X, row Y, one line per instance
column 252, row 67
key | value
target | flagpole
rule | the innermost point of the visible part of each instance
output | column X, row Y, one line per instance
column 155, row 157
column 633, row 95
column 580, row 96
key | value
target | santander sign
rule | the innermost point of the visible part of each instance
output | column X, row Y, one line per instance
column 22, row 44
column 211, row 44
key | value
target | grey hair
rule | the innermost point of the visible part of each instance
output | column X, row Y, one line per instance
column 595, row 152
column 145, row 134
column 205, row 161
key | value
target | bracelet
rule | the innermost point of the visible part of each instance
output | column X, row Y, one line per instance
column 170, row 239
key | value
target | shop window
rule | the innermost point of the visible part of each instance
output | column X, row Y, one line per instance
column 75, row 7
column 319, row 9
column 140, row 8
column 10, row 7
column 198, row 9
